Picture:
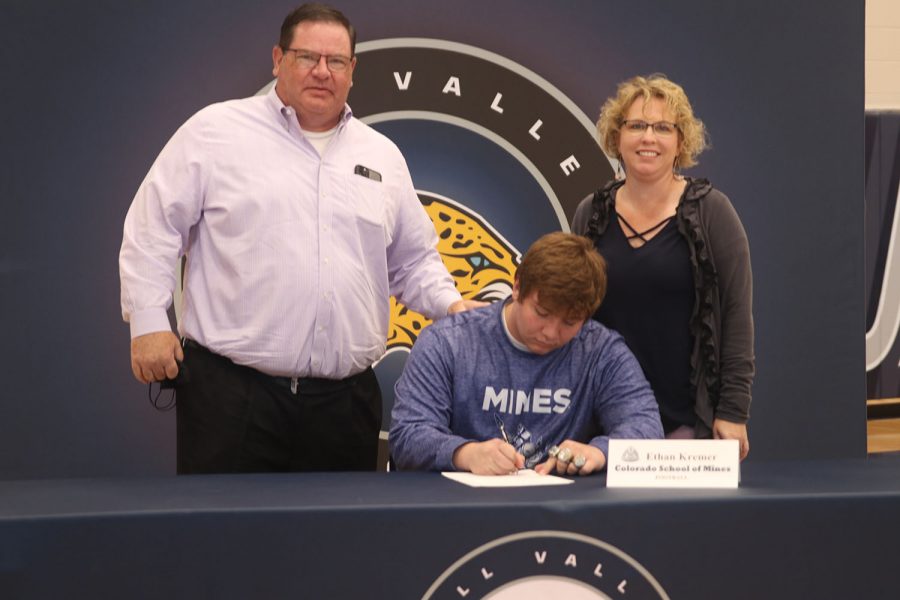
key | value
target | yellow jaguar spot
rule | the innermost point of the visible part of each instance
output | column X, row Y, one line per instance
column 480, row 260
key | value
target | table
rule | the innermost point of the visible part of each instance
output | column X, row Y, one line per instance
column 794, row 529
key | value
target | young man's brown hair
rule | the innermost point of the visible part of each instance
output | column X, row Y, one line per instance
column 567, row 272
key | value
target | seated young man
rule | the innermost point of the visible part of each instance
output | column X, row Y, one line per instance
column 531, row 382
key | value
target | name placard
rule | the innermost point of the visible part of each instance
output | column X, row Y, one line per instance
column 673, row 463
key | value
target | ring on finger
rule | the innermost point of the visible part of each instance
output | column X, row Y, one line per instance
column 553, row 451
column 579, row 461
column 565, row 455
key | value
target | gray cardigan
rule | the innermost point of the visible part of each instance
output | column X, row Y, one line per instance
column 722, row 360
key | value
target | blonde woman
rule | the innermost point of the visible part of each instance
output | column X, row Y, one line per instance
column 680, row 284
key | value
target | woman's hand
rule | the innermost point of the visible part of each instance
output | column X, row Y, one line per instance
column 726, row 430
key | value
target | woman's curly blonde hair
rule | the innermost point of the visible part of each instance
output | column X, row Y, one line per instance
column 691, row 131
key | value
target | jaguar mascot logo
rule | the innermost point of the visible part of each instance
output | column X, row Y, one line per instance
column 482, row 262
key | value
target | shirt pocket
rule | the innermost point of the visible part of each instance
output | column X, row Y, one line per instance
column 368, row 200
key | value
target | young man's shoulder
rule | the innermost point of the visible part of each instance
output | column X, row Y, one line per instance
column 597, row 338
column 594, row 330
column 468, row 321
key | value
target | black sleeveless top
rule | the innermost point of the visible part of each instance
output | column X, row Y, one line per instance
column 649, row 300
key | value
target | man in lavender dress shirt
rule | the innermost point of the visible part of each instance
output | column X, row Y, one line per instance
column 298, row 222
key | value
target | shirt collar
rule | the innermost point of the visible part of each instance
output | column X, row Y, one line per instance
column 288, row 114
column 512, row 340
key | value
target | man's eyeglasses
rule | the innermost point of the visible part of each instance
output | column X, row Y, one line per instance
column 308, row 60
column 659, row 128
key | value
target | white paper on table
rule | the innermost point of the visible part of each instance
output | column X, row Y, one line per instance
column 523, row 478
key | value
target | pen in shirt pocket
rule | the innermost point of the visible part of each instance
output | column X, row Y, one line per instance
column 367, row 173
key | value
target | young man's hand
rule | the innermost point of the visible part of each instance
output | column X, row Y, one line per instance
column 575, row 452
column 493, row 457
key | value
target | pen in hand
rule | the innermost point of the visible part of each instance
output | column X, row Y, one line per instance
column 502, row 428
column 503, row 435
